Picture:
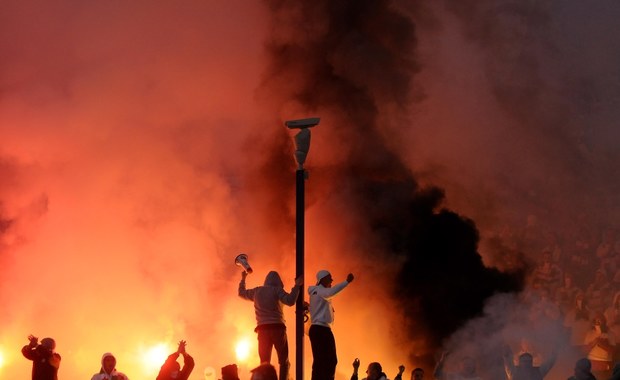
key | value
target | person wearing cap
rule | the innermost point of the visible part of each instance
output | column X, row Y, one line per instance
column 322, row 339
column 45, row 361
column 171, row 370
column 270, row 324
column 108, row 369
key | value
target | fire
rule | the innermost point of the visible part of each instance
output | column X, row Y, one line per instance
column 242, row 350
column 154, row 357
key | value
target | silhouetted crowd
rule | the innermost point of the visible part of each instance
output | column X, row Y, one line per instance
column 46, row 362
column 572, row 290
column 570, row 308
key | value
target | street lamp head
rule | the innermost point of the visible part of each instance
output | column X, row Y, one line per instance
column 302, row 139
column 302, row 146
column 303, row 123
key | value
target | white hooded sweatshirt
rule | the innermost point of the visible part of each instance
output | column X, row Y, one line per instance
column 114, row 375
column 321, row 310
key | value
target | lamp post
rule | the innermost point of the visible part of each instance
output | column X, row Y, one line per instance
column 302, row 146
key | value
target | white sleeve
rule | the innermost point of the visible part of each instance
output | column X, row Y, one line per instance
column 328, row 293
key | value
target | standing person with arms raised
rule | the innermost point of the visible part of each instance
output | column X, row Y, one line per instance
column 322, row 339
column 45, row 361
column 171, row 369
column 270, row 324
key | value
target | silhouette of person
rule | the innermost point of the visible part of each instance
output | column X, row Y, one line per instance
column 171, row 369
column 583, row 370
column 230, row 372
column 45, row 362
column 270, row 324
column 322, row 339
column 264, row 371
column 417, row 374
column 373, row 372
column 525, row 370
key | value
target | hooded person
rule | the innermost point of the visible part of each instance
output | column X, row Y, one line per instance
column 324, row 357
column 108, row 369
column 270, row 324
column 171, row 369
column 45, row 362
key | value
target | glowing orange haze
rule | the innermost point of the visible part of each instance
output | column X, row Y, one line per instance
column 126, row 172
column 137, row 160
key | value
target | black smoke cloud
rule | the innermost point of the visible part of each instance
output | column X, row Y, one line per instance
column 356, row 61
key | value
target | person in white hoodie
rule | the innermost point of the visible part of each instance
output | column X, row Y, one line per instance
column 108, row 369
column 270, row 325
column 322, row 317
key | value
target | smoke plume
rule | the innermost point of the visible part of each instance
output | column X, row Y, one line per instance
column 143, row 148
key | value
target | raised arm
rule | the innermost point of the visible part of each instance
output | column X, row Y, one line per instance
column 244, row 293
column 290, row 298
column 328, row 293
column 356, row 366
column 28, row 350
column 548, row 364
column 188, row 362
column 509, row 365
column 438, row 373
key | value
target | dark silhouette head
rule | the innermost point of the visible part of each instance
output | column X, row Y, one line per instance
column 230, row 372
column 264, row 371
column 526, row 360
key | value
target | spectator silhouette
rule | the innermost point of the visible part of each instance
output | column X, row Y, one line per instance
column 417, row 374
column 583, row 369
column 525, row 370
column 374, row 371
column 45, row 362
column 230, row 372
column 171, row 369
column 322, row 339
column 264, row 371
column 270, row 325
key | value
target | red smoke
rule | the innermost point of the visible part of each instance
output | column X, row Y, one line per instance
column 143, row 148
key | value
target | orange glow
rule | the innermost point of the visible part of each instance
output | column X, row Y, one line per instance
column 1, row 358
column 242, row 350
column 209, row 373
column 154, row 357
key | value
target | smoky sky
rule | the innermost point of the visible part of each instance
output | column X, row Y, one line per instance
column 143, row 147
column 358, row 60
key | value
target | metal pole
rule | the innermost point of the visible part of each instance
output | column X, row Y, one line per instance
column 300, row 226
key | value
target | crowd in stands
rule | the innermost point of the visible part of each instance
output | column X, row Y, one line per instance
column 573, row 288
